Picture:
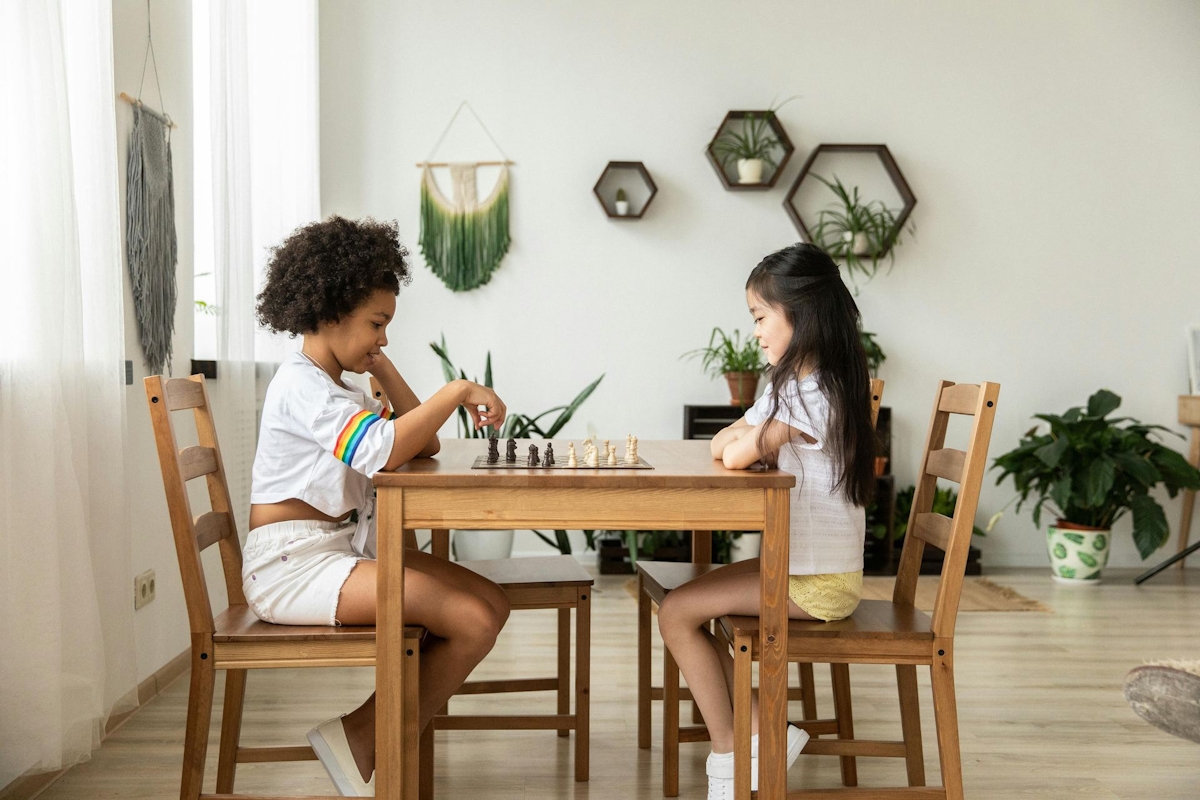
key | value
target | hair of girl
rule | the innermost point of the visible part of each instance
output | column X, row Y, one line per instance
column 804, row 283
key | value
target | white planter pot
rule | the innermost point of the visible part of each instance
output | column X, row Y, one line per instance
column 622, row 208
column 750, row 170
column 861, row 246
column 745, row 547
column 1077, row 555
column 482, row 545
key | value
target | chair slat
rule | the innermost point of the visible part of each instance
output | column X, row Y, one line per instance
column 196, row 461
column 961, row 398
column 182, row 393
column 211, row 527
column 933, row 529
column 947, row 463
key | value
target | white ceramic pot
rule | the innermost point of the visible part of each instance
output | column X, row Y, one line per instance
column 1077, row 554
column 859, row 243
column 482, row 545
column 622, row 208
column 745, row 547
column 750, row 170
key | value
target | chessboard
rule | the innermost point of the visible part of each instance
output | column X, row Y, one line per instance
column 482, row 463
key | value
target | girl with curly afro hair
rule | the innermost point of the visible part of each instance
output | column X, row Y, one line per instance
column 309, row 558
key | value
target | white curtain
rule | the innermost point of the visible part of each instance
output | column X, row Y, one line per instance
column 257, row 178
column 67, row 657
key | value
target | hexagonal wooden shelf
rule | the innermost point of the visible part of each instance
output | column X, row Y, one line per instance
column 634, row 178
column 890, row 166
column 728, row 175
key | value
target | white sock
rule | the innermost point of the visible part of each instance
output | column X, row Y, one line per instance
column 720, row 765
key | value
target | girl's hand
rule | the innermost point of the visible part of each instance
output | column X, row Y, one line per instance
column 378, row 363
column 494, row 410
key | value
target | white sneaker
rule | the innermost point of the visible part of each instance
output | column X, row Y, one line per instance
column 720, row 776
column 329, row 742
column 796, row 739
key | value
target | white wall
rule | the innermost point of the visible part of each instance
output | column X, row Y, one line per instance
column 1052, row 147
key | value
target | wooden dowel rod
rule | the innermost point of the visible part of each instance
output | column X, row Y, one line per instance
column 477, row 163
column 133, row 101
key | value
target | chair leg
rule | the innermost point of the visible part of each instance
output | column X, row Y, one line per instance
column 427, row 762
column 910, row 723
column 808, row 689
column 231, row 729
column 742, row 712
column 842, row 710
column 412, row 719
column 199, row 716
column 583, row 684
column 564, row 665
column 670, row 728
column 945, row 714
column 643, row 667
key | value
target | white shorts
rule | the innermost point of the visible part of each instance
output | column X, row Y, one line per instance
column 292, row 572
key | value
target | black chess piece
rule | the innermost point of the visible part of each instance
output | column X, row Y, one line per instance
column 549, row 459
column 510, row 454
column 533, row 456
column 493, row 455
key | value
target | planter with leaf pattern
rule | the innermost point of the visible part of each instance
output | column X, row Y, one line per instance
column 1077, row 553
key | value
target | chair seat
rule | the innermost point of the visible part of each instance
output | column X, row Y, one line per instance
column 537, row 572
column 240, row 624
column 661, row 577
column 873, row 619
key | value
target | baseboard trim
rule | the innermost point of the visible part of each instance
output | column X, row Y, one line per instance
column 30, row 785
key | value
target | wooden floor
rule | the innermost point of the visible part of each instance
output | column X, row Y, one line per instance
column 1040, row 704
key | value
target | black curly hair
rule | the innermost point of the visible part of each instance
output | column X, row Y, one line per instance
column 324, row 270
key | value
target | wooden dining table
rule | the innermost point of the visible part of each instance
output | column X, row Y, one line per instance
column 685, row 490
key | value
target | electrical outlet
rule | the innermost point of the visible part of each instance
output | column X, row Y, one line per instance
column 143, row 589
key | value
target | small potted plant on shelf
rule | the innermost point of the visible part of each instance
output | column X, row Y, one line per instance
column 622, row 203
column 752, row 147
column 741, row 362
column 476, row 545
column 855, row 233
column 1091, row 471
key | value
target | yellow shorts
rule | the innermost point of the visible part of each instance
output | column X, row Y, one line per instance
column 826, row 597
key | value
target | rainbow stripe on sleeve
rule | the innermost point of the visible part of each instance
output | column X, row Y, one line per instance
column 352, row 435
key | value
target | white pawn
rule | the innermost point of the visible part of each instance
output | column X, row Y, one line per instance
column 572, row 463
column 612, row 457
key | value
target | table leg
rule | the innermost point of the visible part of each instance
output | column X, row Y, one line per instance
column 702, row 542
column 772, row 681
column 389, row 644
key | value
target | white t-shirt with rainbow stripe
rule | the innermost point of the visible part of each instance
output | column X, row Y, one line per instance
column 321, row 442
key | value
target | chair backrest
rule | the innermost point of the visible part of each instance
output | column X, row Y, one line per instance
column 876, row 399
column 194, row 534
column 964, row 467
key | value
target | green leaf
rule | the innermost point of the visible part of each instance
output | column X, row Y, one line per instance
column 1051, row 453
column 1102, row 403
column 1098, row 481
column 1139, row 468
column 566, row 415
column 487, row 371
column 1061, row 493
column 1149, row 524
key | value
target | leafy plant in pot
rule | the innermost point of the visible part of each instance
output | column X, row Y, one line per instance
column 1091, row 471
column 622, row 203
column 751, row 147
column 855, row 233
column 740, row 361
column 498, row 544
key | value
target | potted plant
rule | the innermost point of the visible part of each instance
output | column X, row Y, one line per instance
column 1092, row 470
column 855, row 233
column 498, row 544
column 741, row 362
column 751, row 146
column 622, row 203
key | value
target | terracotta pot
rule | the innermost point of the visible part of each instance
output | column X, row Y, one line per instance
column 880, row 466
column 742, row 388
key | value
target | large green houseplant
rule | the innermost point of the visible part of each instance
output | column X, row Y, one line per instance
column 517, row 426
column 1091, row 470
column 739, row 360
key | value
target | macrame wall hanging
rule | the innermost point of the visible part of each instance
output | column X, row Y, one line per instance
column 150, row 243
column 463, row 239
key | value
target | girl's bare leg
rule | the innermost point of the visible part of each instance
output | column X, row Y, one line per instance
column 463, row 613
column 682, row 619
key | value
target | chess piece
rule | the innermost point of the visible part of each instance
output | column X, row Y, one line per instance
column 593, row 457
column 549, row 458
column 631, row 455
column 533, row 456
column 510, row 455
column 612, row 457
column 572, row 461
column 607, row 446
column 493, row 455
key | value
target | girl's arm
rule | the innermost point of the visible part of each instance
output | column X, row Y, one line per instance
column 727, row 435
column 744, row 451
column 416, row 427
column 402, row 398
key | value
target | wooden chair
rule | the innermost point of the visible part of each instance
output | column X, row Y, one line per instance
column 544, row 582
column 656, row 579
column 236, row 640
column 894, row 632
